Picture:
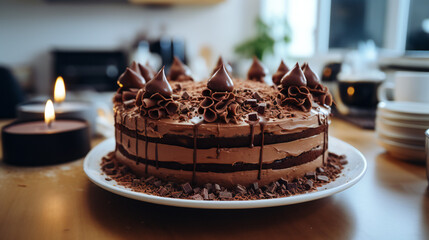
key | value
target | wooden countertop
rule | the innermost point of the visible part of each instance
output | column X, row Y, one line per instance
column 59, row 202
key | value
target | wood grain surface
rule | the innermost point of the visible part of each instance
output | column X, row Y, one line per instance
column 59, row 202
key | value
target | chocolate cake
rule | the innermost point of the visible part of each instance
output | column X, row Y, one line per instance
column 224, row 130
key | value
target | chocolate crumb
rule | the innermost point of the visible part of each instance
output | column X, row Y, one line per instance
column 205, row 194
column 157, row 183
column 197, row 197
column 253, row 116
column 149, row 179
column 343, row 161
column 252, row 102
column 308, row 184
column 283, row 181
column 212, row 196
column 272, row 188
column 310, row 175
column 240, row 189
column 322, row 178
column 185, row 96
column 255, row 186
column 291, row 186
column 256, row 96
column 176, row 194
column 196, row 190
column 209, row 186
column 187, row 188
column 217, row 187
column 163, row 191
column 261, row 108
column 225, row 194
column 320, row 170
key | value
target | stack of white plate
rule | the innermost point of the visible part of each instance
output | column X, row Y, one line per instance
column 400, row 128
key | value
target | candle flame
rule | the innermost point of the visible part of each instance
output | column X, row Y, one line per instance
column 49, row 113
column 59, row 90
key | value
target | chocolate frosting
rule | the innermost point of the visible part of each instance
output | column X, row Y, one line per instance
column 221, row 81
column 312, row 78
column 220, row 61
column 159, row 84
column 130, row 79
column 179, row 71
column 294, row 77
column 281, row 71
column 257, row 71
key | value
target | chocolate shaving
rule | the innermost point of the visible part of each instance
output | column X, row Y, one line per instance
column 156, row 113
column 321, row 95
column 155, row 106
column 218, row 106
column 296, row 97
column 210, row 115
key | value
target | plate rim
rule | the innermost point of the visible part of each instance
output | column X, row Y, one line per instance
column 201, row 204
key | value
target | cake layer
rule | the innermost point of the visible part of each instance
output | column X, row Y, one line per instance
column 225, row 168
column 223, row 142
column 229, row 179
column 163, row 153
column 294, row 123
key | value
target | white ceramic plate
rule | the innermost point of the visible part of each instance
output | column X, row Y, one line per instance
column 400, row 132
column 352, row 173
column 402, row 151
column 404, row 107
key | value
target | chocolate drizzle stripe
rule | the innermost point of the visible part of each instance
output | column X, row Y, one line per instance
column 194, row 160
column 137, row 142
column 233, row 142
column 261, row 153
column 156, row 155
column 283, row 163
column 146, row 142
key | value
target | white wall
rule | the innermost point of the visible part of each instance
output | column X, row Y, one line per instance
column 29, row 29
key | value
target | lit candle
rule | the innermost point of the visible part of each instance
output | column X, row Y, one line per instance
column 45, row 142
column 59, row 90
column 63, row 109
column 49, row 113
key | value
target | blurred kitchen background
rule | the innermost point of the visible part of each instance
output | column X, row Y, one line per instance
column 354, row 45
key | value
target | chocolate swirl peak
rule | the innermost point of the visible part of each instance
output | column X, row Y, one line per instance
column 294, row 77
column 131, row 79
column 159, row 84
column 281, row 71
column 257, row 71
column 220, row 81
column 155, row 100
column 144, row 71
column 312, row 78
column 179, row 71
column 220, row 61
